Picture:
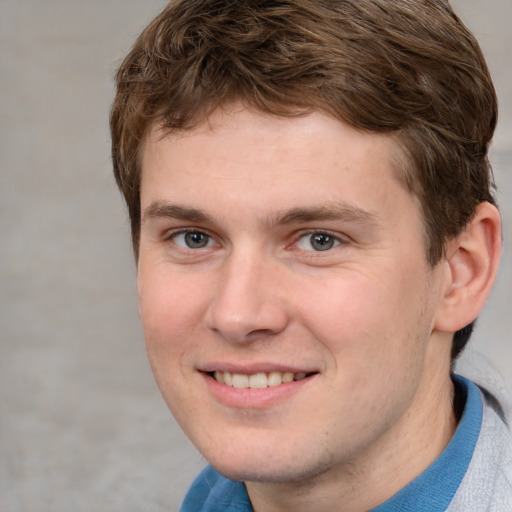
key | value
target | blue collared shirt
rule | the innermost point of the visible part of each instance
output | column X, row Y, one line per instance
column 432, row 490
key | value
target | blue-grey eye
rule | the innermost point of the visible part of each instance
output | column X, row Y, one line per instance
column 317, row 242
column 192, row 240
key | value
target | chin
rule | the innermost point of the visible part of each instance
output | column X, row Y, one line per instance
column 271, row 466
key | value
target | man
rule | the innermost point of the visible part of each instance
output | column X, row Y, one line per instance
column 313, row 220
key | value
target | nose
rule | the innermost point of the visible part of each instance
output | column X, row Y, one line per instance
column 248, row 302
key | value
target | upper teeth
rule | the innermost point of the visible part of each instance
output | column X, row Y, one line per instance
column 256, row 380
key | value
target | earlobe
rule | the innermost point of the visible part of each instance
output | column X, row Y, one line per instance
column 472, row 261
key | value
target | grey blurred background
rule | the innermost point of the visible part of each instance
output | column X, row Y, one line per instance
column 82, row 424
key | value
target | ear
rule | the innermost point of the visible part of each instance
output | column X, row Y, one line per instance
column 471, row 261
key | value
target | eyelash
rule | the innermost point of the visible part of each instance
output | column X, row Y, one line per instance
column 174, row 234
column 337, row 240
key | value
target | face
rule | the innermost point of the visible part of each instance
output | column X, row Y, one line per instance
column 285, row 297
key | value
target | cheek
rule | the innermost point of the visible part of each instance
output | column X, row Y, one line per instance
column 367, row 315
column 168, row 312
column 170, row 309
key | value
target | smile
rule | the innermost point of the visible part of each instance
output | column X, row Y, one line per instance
column 257, row 380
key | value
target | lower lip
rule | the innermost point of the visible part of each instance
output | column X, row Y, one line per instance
column 249, row 398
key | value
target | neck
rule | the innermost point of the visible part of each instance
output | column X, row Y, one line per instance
column 368, row 480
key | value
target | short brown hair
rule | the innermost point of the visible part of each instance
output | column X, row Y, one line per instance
column 404, row 67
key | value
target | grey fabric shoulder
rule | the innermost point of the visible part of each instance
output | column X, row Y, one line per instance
column 487, row 485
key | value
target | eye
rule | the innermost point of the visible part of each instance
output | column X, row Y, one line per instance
column 192, row 240
column 317, row 242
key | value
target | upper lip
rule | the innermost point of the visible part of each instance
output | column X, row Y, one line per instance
column 250, row 369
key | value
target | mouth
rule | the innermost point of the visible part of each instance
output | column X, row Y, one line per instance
column 257, row 380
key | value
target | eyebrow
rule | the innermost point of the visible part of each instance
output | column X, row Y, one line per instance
column 174, row 211
column 337, row 211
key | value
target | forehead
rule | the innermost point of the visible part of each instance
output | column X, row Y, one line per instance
column 232, row 127
column 270, row 161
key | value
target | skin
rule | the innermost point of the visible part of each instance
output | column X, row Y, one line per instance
column 361, row 317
